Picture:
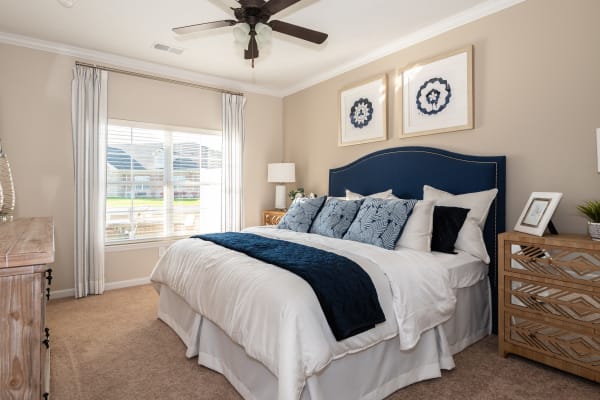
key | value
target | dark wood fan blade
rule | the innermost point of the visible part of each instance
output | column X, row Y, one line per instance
column 274, row 6
column 252, row 51
column 298, row 31
column 251, row 3
column 182, row 30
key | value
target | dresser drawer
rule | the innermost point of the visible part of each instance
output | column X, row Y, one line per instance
column 573, row 265
column 569, row 305
column 554, row 341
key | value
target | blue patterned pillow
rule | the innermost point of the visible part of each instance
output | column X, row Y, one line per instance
column 380, row 222
column 335, row 217
column 301, row 214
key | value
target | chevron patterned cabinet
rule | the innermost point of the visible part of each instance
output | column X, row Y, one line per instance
column 549, row 300
column 272, row 217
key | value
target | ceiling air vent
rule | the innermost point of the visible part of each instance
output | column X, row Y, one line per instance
column 164, row 47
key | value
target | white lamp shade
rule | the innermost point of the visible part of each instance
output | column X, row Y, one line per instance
column 281, row 172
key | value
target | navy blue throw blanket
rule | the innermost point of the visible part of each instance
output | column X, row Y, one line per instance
column 345, row 291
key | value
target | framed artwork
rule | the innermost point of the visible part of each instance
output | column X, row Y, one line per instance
column 537, row 212
column 363, row 112
column 437, row 94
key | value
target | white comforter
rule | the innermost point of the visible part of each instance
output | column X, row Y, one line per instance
column 276, row 316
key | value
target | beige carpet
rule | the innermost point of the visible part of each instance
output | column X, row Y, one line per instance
column 113, row 347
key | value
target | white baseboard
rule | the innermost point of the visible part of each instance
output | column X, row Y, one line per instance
column 124, row 284
column 60, row 294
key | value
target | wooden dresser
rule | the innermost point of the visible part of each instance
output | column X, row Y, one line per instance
column 26, row 246
column 272, row 217
column 549, row 301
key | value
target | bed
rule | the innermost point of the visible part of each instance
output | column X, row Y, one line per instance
column 270, row 344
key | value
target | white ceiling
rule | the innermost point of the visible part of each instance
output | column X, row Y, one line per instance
column 359, row 31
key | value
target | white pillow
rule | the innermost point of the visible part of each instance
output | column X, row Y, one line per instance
column 470, row 237
column 381, row 195
column 417, row 231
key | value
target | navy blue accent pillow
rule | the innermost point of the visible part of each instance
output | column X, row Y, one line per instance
column 380, row 222
column 447, row 222
column 335, row 217
column 301, row 214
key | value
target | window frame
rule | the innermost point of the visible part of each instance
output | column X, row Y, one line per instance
column 134, row 244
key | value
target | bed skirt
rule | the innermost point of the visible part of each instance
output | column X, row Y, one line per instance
column 349, row 377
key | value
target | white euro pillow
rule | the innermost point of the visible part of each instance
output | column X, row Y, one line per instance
column 387, row 194
column 470, row 237
column 417, row 231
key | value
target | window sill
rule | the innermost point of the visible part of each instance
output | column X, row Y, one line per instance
column 142, row 244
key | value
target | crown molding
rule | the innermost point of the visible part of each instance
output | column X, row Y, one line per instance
column 443, row 26
column 134, row 64
column 482, row 10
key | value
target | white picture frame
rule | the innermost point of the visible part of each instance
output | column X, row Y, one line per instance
column 363, row 112
column 537, row 212
column 437, row 94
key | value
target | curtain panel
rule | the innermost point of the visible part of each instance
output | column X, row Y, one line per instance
column 90, row 122
column 233, row 150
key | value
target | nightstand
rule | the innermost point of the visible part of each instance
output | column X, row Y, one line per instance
column 272, row 217
column 549, row 300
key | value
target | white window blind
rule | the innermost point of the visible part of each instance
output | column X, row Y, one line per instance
column 161, row 182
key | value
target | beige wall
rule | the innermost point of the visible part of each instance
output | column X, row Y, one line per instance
column 35, row 128
column 536, row 80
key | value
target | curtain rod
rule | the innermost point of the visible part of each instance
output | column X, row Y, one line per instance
column 157, row 78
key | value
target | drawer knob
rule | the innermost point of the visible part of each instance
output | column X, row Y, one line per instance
column 45, row 395
column 47, row 294
column 49, row 276
column 46, row 341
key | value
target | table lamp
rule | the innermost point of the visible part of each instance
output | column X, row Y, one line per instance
column 281, row 173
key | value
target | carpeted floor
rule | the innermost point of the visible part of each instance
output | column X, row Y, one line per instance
column 113, row 347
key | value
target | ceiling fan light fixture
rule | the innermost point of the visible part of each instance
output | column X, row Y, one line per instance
column 253, row 27
column 240, row 33
column 264, row 33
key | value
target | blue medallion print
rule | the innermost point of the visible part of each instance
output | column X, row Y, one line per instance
column 361, row 113
column 433, row 96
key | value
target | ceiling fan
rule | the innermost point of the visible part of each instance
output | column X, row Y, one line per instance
column 253, row 13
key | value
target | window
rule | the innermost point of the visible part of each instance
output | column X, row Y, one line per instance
column 161, row 182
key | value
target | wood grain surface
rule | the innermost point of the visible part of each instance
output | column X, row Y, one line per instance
column 26, row 245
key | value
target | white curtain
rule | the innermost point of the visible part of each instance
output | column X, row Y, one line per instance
column 89, row 119
column 233, row 148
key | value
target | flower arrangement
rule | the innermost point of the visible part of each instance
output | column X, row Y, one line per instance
column 294, row 194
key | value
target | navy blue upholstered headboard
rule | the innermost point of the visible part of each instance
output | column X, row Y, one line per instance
column 406, row 169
